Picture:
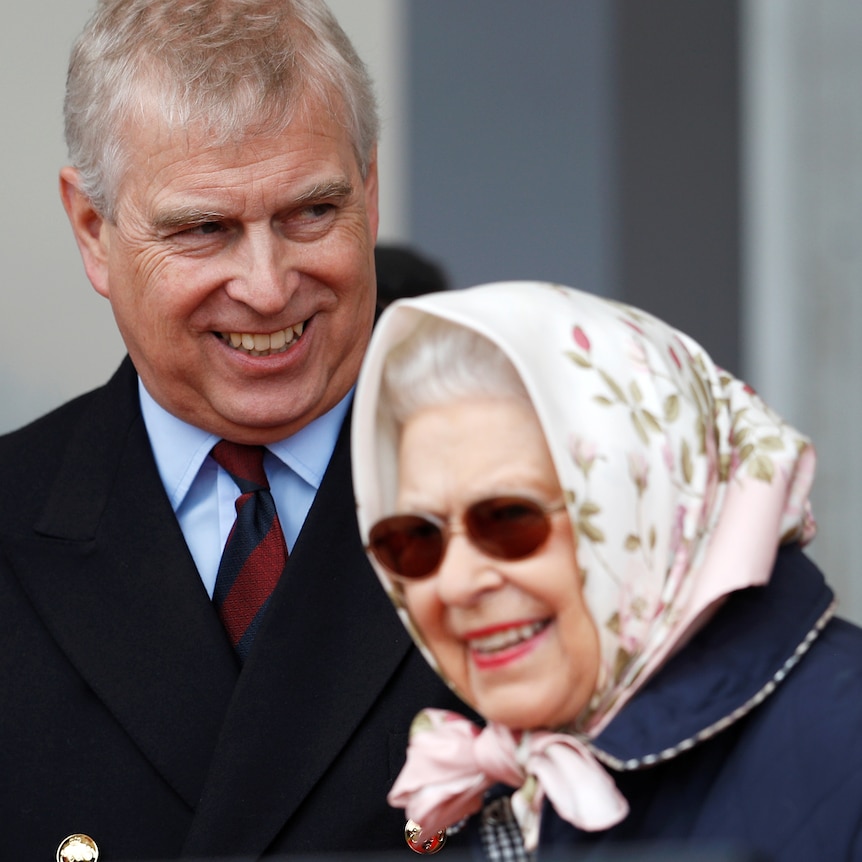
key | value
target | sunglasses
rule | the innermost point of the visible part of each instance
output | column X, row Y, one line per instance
column 506, row 528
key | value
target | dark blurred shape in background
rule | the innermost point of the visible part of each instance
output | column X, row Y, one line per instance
column 403, row 271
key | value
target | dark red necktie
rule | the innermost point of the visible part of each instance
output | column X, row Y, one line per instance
column 255, row 554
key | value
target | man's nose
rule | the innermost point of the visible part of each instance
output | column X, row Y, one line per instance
column 267, row 272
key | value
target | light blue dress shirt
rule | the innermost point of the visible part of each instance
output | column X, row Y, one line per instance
column 203, row 494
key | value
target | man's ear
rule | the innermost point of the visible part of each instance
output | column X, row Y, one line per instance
column 89, row 227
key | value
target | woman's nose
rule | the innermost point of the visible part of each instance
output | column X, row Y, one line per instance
column 465, row 572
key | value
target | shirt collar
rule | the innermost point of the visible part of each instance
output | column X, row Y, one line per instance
column 180, row 448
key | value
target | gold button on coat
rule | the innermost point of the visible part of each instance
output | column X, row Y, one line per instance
column 419, row 844
column 78, row 848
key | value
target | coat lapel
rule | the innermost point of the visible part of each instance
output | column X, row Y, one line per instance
column 112, row 579
column 316, row 668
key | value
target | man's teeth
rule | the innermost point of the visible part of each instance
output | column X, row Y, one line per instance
column 508, row 638
column 257, row 344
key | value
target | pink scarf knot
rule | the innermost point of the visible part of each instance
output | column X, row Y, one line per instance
column 451, row 763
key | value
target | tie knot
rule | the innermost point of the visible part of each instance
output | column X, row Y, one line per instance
column 244, row 463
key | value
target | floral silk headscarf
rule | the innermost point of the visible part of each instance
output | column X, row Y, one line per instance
column 681, row 483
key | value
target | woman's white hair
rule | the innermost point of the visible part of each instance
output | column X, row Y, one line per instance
column 226, row 67
column 441, row 362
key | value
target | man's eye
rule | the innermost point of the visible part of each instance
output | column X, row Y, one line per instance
column 316, row 211
column 208, row 227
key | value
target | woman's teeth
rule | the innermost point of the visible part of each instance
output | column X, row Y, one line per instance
column 256, row 344
column 507, row 638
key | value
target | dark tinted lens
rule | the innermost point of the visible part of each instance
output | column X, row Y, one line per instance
column 508, row 528
column 408, row 545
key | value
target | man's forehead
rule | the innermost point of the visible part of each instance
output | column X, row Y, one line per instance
column 305, row 161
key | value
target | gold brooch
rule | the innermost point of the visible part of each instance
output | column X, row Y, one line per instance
column 419, row 844
column 78, row 848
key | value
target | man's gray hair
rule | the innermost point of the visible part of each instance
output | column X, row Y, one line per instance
column 225, row 67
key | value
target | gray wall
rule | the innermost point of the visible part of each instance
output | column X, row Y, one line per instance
column 59, row 336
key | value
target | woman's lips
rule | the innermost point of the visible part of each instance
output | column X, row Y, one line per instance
column 503, row 644
column 502, row 638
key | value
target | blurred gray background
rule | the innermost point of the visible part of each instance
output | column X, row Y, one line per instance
column 702, row 160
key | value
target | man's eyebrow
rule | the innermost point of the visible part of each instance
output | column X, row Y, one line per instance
column 184, row 217
column 326, row 190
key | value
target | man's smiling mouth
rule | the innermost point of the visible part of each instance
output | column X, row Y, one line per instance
column 266, row 344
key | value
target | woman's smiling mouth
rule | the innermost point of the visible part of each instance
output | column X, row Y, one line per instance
column 503, row 639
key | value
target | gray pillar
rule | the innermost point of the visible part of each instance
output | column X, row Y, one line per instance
column 803, row 63
column 677, row 103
